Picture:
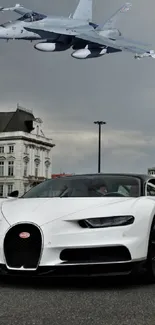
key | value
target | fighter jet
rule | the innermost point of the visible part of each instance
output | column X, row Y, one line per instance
column 78, row 31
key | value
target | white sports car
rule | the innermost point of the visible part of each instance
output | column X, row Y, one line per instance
column 100, row 224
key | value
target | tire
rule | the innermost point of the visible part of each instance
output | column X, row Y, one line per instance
column 150, row 264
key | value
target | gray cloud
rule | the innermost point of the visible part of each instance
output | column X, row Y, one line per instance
column 69, row 94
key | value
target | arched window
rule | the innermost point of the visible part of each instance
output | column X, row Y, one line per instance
column 47, row 164
column 37, row 163
column 11, row 168
column 1, row 168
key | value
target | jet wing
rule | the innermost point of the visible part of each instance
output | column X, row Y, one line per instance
column 58, row 30
column 42, row 33
column 18, row 9
column 122, row 44
column 129, row 40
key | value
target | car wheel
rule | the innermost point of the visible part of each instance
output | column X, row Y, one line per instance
column 150, row 265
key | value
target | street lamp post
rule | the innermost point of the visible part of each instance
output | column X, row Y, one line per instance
column 99, row 123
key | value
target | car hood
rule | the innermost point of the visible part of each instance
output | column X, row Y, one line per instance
column 42, row 210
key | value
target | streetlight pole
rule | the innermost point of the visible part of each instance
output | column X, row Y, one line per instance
column 99, row 123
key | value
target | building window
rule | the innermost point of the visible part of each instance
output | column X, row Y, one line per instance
column 11, row 149
column 25, row 170
column 10, row 189
column 1, row 168
column 10, row 168
column 36, row 171
column 1, row 190
column 46, row 173
column 151, row 172
column 47, row 164
column 37, row 162
column 1, row 149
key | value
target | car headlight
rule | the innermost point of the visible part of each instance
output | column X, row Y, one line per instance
column 115, row 221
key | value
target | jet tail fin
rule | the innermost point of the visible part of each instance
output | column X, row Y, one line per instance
column 84, row 10
column 111, row 22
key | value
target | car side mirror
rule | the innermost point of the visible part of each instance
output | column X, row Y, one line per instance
column 14, row 194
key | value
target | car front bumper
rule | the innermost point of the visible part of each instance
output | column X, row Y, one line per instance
column 72, row 251
column 87, row 270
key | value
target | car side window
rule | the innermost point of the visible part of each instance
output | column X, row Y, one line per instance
column 123, row 191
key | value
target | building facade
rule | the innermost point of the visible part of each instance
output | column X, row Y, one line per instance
column 151, row 171
column 25, row 155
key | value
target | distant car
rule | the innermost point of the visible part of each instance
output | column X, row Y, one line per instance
column 101, row 224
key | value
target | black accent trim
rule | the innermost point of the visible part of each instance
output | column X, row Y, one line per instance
column 23, row 252
column 78, row 270
column 93, row 25
column 96, row 255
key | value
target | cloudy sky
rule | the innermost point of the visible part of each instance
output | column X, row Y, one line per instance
column 69, row 94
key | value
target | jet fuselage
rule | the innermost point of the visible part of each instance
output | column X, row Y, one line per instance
column 18, row 29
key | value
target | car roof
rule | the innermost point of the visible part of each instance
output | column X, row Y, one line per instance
column 143, row 177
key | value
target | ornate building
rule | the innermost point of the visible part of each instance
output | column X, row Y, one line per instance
column 25, row 152
column 151, row 171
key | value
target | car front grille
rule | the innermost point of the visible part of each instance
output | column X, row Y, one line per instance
column 23, row 252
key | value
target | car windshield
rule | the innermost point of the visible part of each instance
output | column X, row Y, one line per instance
column 99, row 186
